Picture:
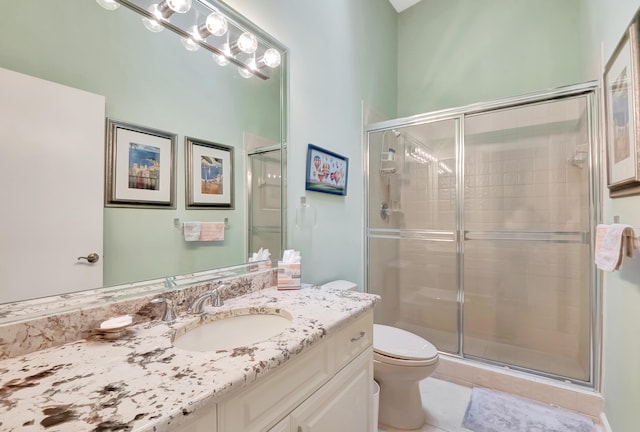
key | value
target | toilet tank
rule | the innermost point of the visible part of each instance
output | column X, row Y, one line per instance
column 341, row 285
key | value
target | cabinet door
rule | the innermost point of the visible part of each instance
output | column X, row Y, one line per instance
column 204, row 421
column 343, row 404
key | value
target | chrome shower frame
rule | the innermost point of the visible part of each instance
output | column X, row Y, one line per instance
column 591, row 91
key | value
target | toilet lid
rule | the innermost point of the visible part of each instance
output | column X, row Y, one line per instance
column 401, row 344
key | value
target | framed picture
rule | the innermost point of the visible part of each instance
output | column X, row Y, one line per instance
column 140, row 166
column 326, row 171
column 622, row 114
column 209, row 174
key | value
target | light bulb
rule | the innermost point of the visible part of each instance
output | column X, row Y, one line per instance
column 245, row 71
column 220, row 59
column 108, row 4
column 152, row 24
column 216, row 24
column 179, row 6
column 247, row 43
column 189, row 44
column 223, row 59
column 251, row 64
column 271, row 58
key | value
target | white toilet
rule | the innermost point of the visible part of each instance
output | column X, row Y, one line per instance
column 400, row 361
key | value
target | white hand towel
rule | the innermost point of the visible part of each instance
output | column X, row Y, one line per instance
column 610, row 246
column 192, row 231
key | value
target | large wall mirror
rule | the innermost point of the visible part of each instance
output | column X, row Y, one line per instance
column 150, row 80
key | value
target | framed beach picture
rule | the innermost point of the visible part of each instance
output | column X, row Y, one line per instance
column 622, row 113
column 140, row 166
column 209, row 174
column 326, row 171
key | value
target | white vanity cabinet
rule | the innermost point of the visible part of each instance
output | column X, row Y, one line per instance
column 328, row 388
column 205, row 420
column 343, row 404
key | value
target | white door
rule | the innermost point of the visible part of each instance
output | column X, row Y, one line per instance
column 51, row 187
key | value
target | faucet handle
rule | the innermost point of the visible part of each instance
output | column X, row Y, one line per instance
column 168, row 315
column 217, row 302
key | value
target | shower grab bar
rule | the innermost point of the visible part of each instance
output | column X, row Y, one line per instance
column 541, row 236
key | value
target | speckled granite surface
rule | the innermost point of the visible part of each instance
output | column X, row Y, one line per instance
column 43, row 324
column 142, row 383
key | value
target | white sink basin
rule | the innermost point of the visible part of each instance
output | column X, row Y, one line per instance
column 234, row 331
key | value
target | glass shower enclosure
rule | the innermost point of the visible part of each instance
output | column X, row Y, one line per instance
column 479, row 230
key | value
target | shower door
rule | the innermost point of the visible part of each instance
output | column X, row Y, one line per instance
column 412, row 229
column 527, row 266
column 264, row 178
column 479, row 230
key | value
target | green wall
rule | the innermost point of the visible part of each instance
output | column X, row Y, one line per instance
column 342, row 53
column 621, row 291
column 150, row 80
column 453, row 53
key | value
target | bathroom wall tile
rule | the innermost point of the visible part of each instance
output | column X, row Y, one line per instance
column 590, row 404
column 510, row 166
column 510, row 178
column 565, row 398
column 541, row 392
column 482, row 377
column 510, row 384
column 447, row 368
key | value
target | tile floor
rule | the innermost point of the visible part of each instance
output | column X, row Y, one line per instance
column 445, row 404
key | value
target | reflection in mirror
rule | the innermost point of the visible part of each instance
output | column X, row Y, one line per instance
column 142, row 78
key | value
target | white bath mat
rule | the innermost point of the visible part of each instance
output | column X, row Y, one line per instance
column 494, row 411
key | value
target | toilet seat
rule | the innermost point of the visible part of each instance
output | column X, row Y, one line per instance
column 400, row 362
column 399, row 347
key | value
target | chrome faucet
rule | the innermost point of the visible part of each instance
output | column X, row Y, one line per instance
column 213, row 295
column 169, row 314
column 218, row 301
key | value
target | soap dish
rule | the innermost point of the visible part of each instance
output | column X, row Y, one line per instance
column 114, row 328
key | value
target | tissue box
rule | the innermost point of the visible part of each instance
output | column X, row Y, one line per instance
column 289, row 276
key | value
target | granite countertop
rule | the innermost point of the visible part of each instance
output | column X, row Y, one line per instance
column 142, row 383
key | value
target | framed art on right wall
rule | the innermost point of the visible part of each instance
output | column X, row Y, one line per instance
column 622, row 114
column 326, row 171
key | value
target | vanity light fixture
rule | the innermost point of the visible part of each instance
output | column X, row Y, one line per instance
column 166, row 8
column 202, row 25
column 153, row 24
column 108, row 4
column 271, row 58
column 190, row 43
column 247, row 43
column 223, row 59
column 249, row 70
column 215, row 24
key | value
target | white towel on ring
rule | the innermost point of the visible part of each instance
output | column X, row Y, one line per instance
column 611, row 246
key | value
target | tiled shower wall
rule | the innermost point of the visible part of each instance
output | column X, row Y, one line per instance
column 526, row 303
